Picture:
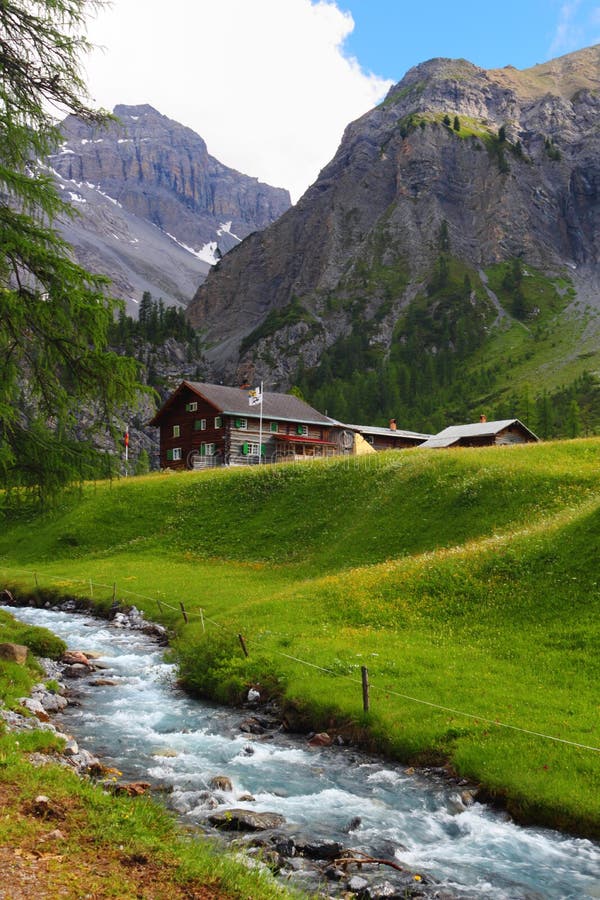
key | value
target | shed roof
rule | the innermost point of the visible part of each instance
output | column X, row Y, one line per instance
column 235, row 401
column 378, row 431
column 454, row 433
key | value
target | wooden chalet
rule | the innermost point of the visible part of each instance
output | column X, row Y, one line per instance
column 482, row 434
column 205, row 425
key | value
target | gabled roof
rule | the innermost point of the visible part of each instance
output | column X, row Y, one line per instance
column 234, row 401
column 378, row 431
column 455, row 433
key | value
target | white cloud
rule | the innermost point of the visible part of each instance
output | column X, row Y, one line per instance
column 578, row 26
column 266, row 83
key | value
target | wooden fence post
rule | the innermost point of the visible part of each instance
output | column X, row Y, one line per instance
column 365, row 687
column 243, row 643
column 114, row 600
column 183, row 612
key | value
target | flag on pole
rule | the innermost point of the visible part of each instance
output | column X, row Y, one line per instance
column 255, row 396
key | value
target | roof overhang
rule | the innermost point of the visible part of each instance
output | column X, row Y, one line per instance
column 298, row 439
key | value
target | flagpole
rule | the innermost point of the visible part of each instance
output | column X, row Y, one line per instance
column 126, row 450
column 260, row 426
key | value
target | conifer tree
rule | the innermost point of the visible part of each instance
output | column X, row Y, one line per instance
column 54, row 315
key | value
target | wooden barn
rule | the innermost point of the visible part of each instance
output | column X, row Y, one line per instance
column 482, row 434
column 204, row 425
column 390, row 438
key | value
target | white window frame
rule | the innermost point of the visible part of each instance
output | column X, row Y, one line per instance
column 253, row 448
column 304, row 430
column 243, row 426
column 218, row 421
column 193, row 406
column 176, row 431
column 209, row 449
column 176, row 454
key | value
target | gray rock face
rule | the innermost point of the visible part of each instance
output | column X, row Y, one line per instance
column 245, row 820
column 401, row 171
column 152, row 200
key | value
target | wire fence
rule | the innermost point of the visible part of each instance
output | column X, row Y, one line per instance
column 199, row 615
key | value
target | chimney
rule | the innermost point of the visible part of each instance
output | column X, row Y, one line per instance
column 483, row 418
column 392, row 425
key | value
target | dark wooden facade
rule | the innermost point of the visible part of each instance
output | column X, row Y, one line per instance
column 208, row 425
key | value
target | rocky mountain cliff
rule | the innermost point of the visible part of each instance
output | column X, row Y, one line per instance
column 156, row 209
column 457, row 173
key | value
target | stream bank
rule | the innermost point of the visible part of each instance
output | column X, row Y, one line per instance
column 334, row 795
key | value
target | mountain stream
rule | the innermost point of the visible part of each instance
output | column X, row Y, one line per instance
column 146, row 727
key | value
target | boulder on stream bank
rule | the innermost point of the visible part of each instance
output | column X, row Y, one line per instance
column 245, row 820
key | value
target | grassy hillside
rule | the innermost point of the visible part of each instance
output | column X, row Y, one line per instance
column 464, row 580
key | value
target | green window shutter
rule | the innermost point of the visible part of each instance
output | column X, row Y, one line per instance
column 169, row 454
column 262, row 450
column 299, row 429
column 274, row 426
column 245, row 449
column 202, row 449
column 197, row 424
column 187, row 407
column 237, row 423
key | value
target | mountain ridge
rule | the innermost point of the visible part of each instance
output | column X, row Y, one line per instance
column 143, row 169
column 457, row 162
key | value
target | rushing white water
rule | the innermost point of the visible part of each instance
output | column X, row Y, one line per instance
column 148, row 729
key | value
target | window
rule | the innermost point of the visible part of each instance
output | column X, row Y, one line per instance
column 242, row 424
column 174, row 454
column 176, row 430
column 191, row 407
column 275, row 426
column 218, row 421
column 251, row 449
column 207, row 449
column 200, row 425
column 302, row 430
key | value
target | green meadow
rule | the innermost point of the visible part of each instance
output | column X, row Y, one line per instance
column 465, row 581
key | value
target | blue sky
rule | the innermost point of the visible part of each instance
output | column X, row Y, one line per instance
column 390, row 36
column 271, row 84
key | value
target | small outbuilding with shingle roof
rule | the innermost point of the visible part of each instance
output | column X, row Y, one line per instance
column 482, row 434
